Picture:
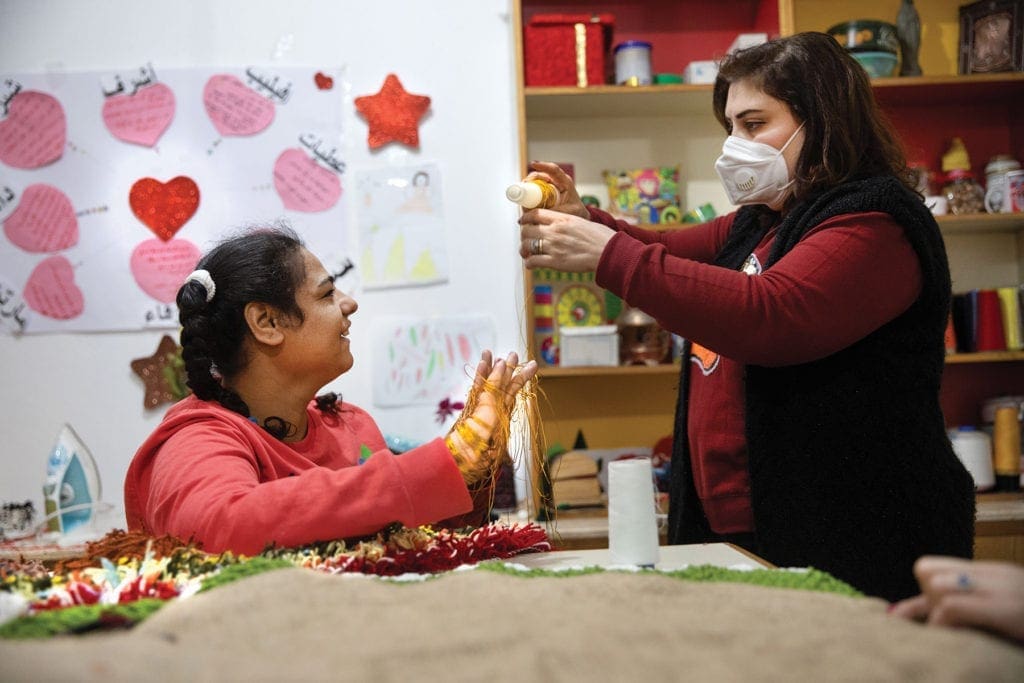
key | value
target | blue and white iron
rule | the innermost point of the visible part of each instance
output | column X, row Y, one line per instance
column 71, row 492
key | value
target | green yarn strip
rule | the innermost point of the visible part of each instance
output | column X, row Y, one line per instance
column 80, row 618
column 234, row 572
column 811, row 579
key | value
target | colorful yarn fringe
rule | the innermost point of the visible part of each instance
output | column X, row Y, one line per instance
column 94, row 591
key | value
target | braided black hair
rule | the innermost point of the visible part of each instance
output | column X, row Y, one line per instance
column 265, row 265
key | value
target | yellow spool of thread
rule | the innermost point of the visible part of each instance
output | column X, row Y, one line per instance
column 1006, row 448
column 532, row 194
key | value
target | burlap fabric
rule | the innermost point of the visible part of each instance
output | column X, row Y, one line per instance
column 296, row 624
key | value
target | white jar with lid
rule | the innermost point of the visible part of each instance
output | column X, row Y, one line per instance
column 633, row 63
column 974, row 448
column 997, row 190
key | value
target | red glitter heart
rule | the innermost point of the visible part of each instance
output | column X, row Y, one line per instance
column 323, row 81
column 164, row 207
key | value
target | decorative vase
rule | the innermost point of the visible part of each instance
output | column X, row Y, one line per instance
column 908, row 30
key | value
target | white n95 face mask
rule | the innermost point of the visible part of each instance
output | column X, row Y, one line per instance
column 753, row 172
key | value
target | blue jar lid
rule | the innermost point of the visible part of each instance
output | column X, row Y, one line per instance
column 632, row 43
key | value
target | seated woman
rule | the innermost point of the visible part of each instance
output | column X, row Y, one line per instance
column 252, row 458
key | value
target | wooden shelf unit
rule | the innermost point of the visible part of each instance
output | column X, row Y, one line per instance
column 605, row 126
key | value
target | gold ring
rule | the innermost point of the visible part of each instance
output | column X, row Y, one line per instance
column 536, row 246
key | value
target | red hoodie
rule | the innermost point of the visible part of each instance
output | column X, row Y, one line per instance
column 213, row 476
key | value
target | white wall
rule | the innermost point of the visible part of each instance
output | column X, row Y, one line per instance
column 459, row 53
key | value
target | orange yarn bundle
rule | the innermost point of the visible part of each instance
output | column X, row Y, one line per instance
column 518, row 432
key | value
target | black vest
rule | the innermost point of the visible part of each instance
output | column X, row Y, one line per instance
column 851, row 469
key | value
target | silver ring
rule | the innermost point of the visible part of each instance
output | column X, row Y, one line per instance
column 963, row 583
column 537, row 246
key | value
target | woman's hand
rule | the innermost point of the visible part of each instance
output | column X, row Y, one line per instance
column 496, row 386
column 568, row 199
column 550, row 239
column 955, row 592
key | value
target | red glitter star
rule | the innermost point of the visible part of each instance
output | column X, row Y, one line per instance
column 393, row 114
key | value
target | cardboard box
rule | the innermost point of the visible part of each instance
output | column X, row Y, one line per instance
column 565, row 300
column 593, row 345
column 552, row 44
column 745, row 40
column 701, row 72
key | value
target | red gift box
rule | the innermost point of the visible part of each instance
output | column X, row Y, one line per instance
column 567, row 49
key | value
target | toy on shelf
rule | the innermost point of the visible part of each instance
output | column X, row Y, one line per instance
column 645, row 195
column 568, row 300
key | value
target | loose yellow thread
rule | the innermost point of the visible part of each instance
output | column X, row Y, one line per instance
column 471, row 437
column 497, row 452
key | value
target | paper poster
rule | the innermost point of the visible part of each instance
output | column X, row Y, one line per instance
column 14, row 313
column 421, row 360
column 112, row 184
column 400, row 222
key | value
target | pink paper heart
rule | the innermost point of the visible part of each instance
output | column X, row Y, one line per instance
column 304, row 185
column 51, row 290
column 44, row 220
column 234, row 107
column 140, row 118
column 34, row 132
column 161, row 267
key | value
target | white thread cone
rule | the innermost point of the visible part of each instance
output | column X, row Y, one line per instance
column 632, row 525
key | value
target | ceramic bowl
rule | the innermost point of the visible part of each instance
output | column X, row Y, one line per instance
column 866, row 35
column 877, row 64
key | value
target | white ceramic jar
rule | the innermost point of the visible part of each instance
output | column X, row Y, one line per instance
column 633, row 63
column 974, row 448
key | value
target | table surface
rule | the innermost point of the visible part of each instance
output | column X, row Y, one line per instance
column 670, row 557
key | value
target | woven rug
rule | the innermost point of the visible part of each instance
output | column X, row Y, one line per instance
column 294, row 624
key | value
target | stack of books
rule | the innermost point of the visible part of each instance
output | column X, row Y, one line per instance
column 574, row 481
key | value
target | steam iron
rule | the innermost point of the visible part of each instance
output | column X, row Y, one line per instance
column 71, row 492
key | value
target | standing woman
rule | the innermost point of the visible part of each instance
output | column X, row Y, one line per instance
column 252, row 458
column 808, row 426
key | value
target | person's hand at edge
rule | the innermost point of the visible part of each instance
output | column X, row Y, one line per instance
column 987, row 595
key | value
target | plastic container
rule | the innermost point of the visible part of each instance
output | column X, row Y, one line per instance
column 1015, row 188
column 974, row 448
column 997, row 190
column 937, row 204
column 963, row 193
column 633, row 63
column 532, row 194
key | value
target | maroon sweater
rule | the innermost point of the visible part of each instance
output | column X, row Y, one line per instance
column 833, row 288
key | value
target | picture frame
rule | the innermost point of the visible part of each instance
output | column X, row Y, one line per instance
column 991, row 36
